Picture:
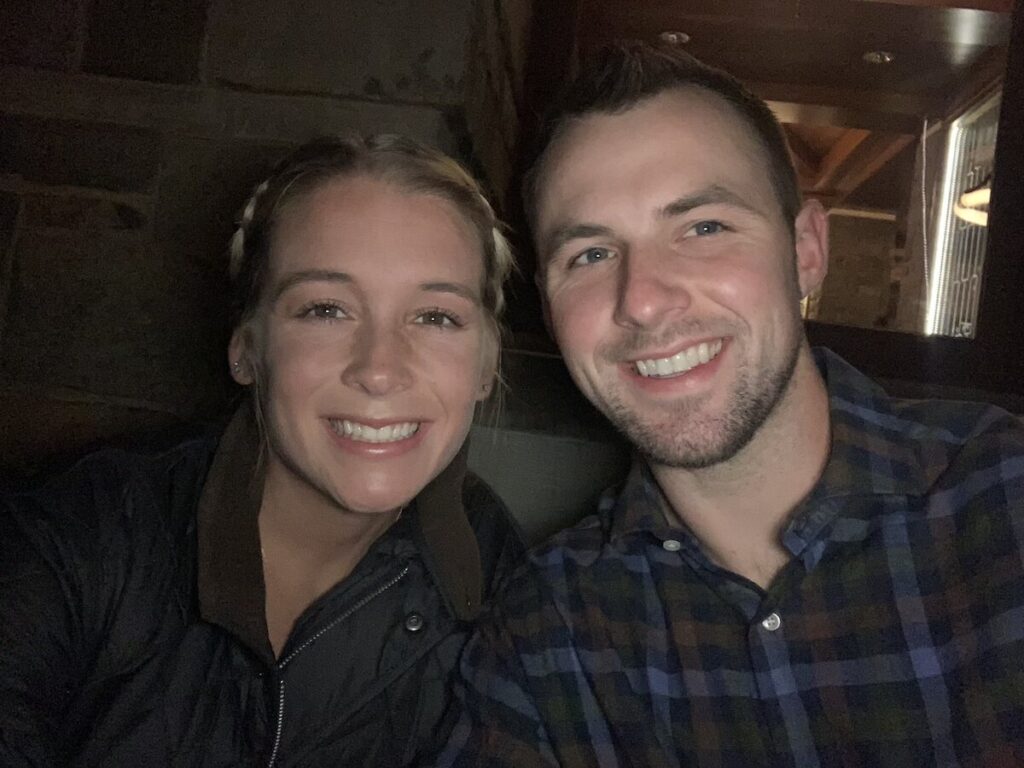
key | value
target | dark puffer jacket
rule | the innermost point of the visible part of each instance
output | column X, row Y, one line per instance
column 133, row 633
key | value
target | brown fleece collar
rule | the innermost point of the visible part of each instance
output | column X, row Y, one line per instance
column 232, row 593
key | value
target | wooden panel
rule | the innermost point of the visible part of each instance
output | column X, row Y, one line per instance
column 639, row 18
column 812, row 44
column 996, row 6
column 983, row 77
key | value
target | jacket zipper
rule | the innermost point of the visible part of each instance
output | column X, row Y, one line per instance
column 287, row 659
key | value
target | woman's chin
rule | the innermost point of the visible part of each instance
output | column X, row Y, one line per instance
column 373, row 504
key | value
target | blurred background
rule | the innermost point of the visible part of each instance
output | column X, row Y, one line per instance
column 132, row 132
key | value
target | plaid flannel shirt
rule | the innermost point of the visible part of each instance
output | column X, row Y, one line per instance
column 894, row 636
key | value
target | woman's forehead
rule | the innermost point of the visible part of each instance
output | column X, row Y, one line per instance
column 362, row 225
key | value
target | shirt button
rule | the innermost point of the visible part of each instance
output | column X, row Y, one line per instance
column 772, row 622
column 671, row 545
column 414, row 622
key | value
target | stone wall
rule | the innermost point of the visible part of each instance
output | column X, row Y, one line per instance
column 130, row 134
column 857, row 288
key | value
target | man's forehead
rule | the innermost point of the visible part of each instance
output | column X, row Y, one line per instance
column 676, row 110
column 707, row 146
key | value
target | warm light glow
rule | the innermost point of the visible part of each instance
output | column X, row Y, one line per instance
column 674, row 38
column 878, row 57
column 966, row 208
column 974, row 198
column 956, row 258
column 942, row 233
column 971, row 215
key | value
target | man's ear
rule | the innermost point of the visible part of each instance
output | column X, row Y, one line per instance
column 238, row 357
column 810, row 240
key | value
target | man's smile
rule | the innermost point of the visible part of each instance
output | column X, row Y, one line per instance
column 681, row 362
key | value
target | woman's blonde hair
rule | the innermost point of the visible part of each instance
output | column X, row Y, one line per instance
column 408, row 164
column 411, row 166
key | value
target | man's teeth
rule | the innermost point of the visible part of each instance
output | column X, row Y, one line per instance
column 681, row 361
column 367, row 434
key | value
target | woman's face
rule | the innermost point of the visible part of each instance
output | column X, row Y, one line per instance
column 373, row 343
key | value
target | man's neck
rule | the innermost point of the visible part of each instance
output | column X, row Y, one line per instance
column 738, row 509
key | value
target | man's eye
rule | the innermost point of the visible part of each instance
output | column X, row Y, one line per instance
column 702, row 228
column 591, row 256
column 439, row 318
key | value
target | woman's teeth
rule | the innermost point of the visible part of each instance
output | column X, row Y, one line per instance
column 681, row 361
column 367, row 434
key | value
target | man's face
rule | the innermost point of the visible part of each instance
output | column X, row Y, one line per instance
column 670, row 276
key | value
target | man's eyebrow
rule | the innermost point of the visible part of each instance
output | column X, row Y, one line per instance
column 308, row 276
column 715, row 194
column 457, row 288
column 559, row 236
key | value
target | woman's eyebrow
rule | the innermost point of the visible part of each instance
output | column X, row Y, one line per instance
column 456, row 288
column 308, row 275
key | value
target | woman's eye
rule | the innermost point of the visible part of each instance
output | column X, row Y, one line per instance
column 437, row 317
column 591, row 256
column 324, row 311
column 702, row 228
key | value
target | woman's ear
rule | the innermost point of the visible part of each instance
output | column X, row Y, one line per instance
column 238, row 358
column 488, row 366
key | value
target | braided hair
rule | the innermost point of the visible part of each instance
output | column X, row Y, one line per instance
column 409, row 165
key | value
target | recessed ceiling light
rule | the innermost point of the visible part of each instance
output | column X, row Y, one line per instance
column 674, row 38
column 878, row 57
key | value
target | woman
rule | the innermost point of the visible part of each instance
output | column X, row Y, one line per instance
column 297, row 591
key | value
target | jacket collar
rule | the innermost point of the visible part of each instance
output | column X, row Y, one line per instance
column 232, row 593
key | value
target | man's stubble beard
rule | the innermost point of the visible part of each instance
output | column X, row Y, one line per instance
column 681, row 437
column 677, row 439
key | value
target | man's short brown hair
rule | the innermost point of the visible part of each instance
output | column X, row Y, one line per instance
column 622, row 76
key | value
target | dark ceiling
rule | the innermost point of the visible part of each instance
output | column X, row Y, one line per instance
column 851, row 124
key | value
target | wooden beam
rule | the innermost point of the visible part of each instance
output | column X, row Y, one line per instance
column 848, row 108
column 843, row 117
column 837, row 157
column 805, row 159
column 996, row 6
column 848, row 98
column 605, row 20
column 874, row 154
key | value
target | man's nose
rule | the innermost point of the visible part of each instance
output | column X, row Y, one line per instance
column 380, row 361
column 651, row 288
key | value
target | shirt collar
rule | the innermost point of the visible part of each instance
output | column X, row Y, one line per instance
column 871, row 455
column 871, row 450
column 230, row 565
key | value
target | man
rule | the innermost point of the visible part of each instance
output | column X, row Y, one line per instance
column 798, row 571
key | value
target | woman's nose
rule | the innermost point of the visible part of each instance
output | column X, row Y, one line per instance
column 379, row 363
